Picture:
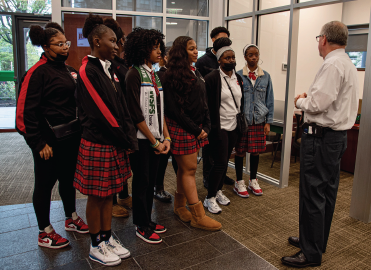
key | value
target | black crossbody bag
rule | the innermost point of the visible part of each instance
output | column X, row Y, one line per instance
column 241, row 119
column 66, row 131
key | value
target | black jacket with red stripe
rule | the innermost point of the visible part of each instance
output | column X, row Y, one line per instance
column 46, row 92
column 103, row 112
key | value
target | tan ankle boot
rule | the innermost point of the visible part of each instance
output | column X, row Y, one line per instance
column 179, row 207
column 200, row 220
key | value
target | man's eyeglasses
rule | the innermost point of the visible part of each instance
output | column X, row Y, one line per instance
column 62, row 44
column 317, row 37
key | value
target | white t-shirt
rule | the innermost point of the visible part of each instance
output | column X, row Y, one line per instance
column 332, row 99
column 228, row 110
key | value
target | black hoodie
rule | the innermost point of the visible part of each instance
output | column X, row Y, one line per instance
column 207, row 63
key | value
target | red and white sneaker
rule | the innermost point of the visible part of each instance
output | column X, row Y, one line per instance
column 50, row 239
column 148, row 235
column 157, row 228
column 255, row 188
column 77, row 225
column 240, row 189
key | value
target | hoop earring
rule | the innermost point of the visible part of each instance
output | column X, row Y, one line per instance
column 261, row 63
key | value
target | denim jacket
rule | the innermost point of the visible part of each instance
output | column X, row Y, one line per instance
column 259, row 99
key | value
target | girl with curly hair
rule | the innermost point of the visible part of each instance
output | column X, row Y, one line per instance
column 46, row 100
column 122, row 200
column 187, row 117
column 143, row 48
column 108, row 134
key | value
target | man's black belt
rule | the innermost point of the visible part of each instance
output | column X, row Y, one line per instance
column 314, row 130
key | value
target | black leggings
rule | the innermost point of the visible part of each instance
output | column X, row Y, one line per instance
column 60, row 167
column 220, row 150
column 144, row 164
column 162, row 169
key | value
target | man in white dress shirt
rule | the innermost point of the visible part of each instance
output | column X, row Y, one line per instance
column 330, row 109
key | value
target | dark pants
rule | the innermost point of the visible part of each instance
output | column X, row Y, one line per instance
column 207, row 162
column 144, row 164
column 60, row 167
column 220, row 150
column 319, row 181
column 162, row 169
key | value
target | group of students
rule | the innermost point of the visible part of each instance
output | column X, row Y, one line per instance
column 92, row 128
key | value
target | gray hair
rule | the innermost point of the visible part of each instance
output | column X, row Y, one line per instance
column 336, row 33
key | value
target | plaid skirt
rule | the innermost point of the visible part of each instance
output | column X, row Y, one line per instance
column 101, row 170
column 183, row 142
column 252, row 141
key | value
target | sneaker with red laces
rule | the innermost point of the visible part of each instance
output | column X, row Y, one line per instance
column 147, row 235
column 76, row 225
column 255, row 188
column 157, row 228
column 240, row 189
column 50, row 239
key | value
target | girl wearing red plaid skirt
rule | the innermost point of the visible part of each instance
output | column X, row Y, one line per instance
column 144, row 93
column 46, row 100
column 259, row 108
column 108, row 134
column 188, row 120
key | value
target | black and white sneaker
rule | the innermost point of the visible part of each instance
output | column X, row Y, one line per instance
column 148, row 235
column 157, row 228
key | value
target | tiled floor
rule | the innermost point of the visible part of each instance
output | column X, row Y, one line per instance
column 183, row 247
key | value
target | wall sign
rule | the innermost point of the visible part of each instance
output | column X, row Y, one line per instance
column 81, row 41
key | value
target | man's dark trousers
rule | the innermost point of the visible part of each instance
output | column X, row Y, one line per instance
column 319, row 181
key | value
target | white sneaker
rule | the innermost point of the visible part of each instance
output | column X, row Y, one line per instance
column 221, row 198
column 212, row 206
column 255, row 188
column 240, row 189
column 117, row 248
column 102, row 255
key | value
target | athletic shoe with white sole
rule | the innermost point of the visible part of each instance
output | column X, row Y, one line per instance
column 103, row 255
column 76, row 225
column 221, row 198
column 255, row 188
column 147, row 235
column 50, row 239
column 157, row 228
column 212, row 205
column 240, row 189
column 117, row 248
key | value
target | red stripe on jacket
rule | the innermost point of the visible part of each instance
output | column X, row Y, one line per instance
column 93, row 93
column 23, row 93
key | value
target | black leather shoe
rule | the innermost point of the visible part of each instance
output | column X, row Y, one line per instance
column 293, row 240
column 206, row 183
column 162, row 195
column 228, row 181
column 298, row 260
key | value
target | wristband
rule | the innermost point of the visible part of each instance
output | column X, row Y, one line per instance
column 168, row 139
column 157, row 143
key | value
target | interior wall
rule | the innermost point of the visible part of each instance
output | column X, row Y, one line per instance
column 310, row 24
column 356, row 12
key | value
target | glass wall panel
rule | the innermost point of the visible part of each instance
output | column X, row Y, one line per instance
column 241, row 36
column 265, row 4
column 239, row 6
column 102, row 4
column 140, row 5
column 7, row 85
column 198, row 30
column 73, row 23
column 127, row 23
column 189, row 7
column 30, row 6
column 273, row 36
